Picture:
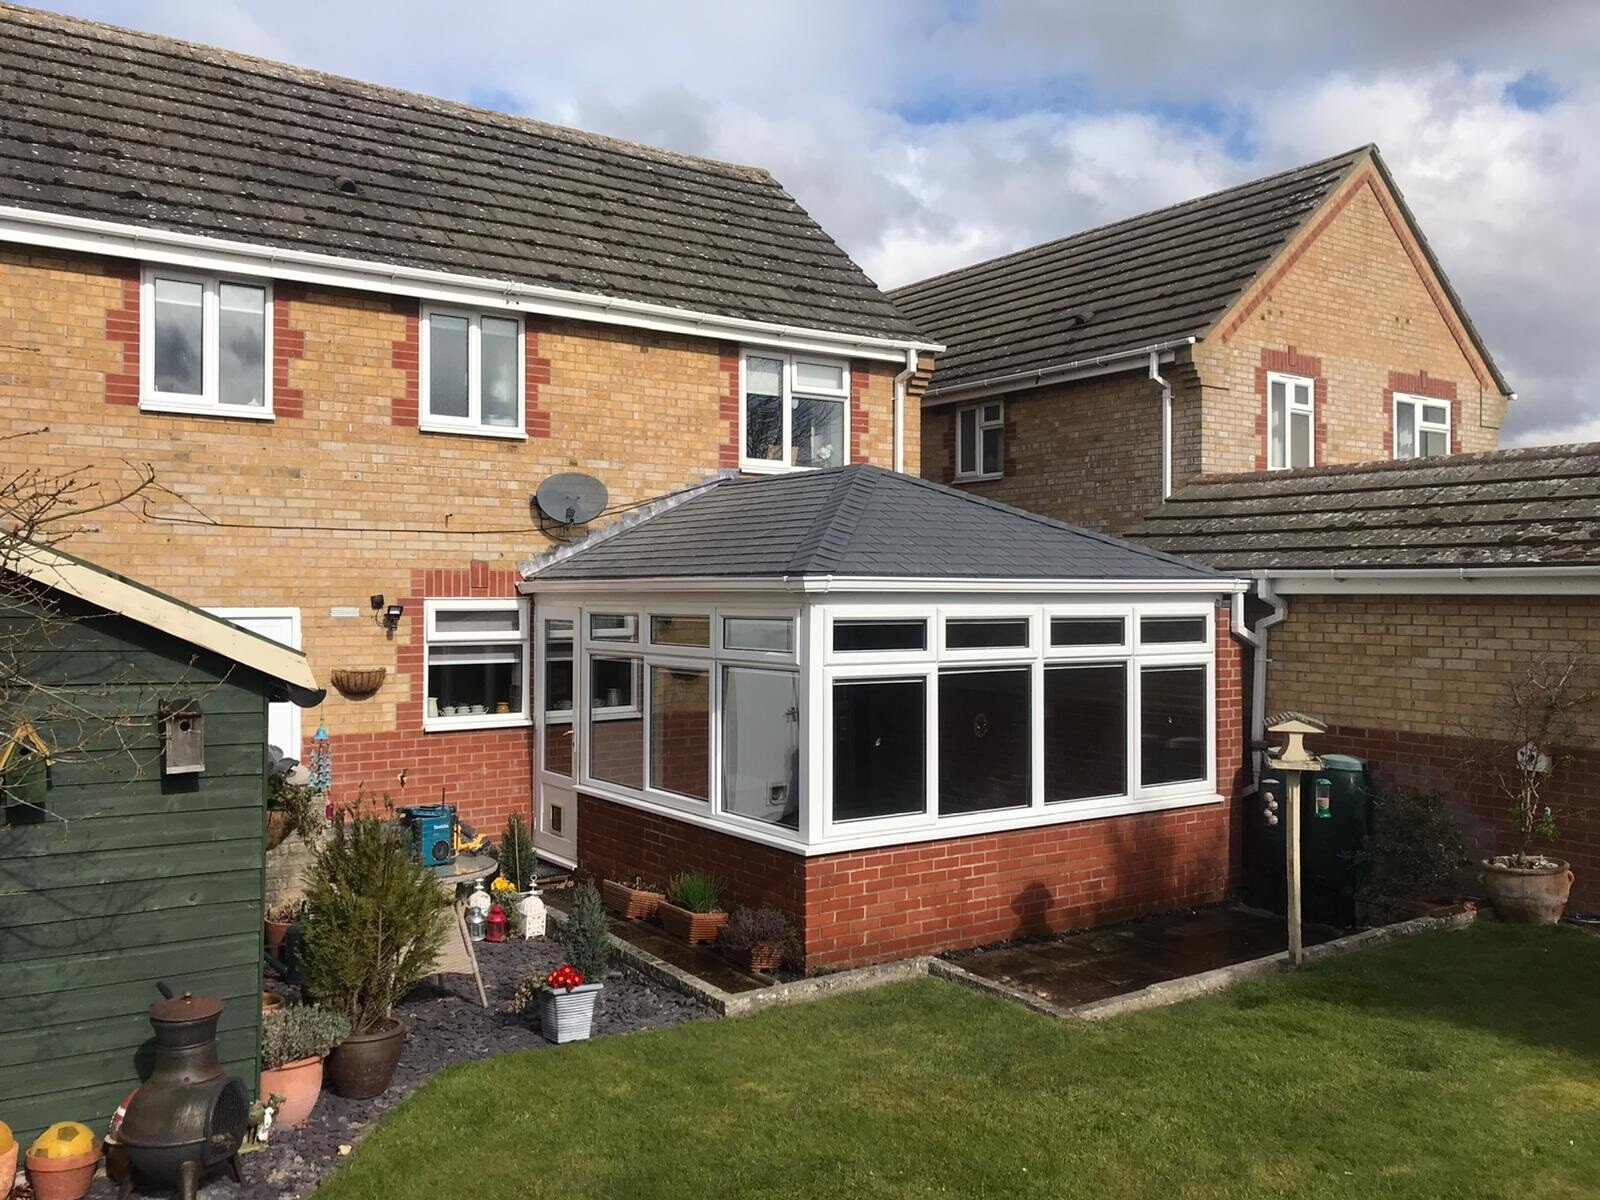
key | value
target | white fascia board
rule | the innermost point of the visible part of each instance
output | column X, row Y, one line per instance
column 1440, row 581
column 827, row 585
column 1086, row 368
column 199, row 252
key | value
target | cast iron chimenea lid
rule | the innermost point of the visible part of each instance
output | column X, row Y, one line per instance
column 185, row 1008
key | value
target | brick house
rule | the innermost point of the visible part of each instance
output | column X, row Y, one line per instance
column 1299, row 320
column 352, row 329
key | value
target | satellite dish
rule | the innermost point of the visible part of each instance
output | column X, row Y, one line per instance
column 571, row 498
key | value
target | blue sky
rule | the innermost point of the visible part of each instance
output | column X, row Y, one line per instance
column 926, row 134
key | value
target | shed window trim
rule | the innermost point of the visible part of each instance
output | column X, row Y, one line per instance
column 473, row 421
column 437, row 643
column 973, row 422
column 207, row 401
column 791, row 394
column 1298, row 405
column 1420, row 409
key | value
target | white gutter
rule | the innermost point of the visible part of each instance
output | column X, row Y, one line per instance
column 87, row 235
column 1421, row 581
column 1166, row 425
column 816, row 585
column 1100, row 364
column 901, row 382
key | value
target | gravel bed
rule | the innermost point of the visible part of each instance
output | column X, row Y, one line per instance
column 445, row 1025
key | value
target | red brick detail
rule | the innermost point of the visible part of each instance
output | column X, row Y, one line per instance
column 486, row 773
column 122, row 325
column 406, row 356
column 1431, row 761
column 288, row 344
column 1419, row 385
column 535, row 374
column 950, row 418
column 860, row 425
column 1292, row 362
column 728, row 454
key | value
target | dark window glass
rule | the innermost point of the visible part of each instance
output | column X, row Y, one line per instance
column 984, row 740
column 763, row 408
column 991, row 451
column 680, row 731
column 967, row 441
column 879, row 635
column 1085, row 731
column 1156, row 631
column 1087, row 631
column 1172, row 725
column 981, row 633
column 879, row 748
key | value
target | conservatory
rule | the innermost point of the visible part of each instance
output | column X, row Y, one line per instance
column 835, row 662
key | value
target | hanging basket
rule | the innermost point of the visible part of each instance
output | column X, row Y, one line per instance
column 357, row 682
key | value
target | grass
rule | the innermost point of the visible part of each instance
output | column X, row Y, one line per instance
column 1459, row 1065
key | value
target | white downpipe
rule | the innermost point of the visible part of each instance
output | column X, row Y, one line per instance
column 1259, row 640
column 1166, row 424
column 901, row 383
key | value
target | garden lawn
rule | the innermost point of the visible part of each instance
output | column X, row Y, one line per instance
column 1462, row 1064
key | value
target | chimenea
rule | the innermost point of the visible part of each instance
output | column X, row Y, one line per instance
column 189, row 1116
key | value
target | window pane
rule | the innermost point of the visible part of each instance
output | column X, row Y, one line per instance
column 447, row 366
column 499, row 372
column 879, row 748
column 978, row 633
column 1172, row 724
column 680, row 731
column 1435, row 441
column 557, row 697
column 480, row 621
column 1300, row 439
column 967, row 441
column 179, row 333
column 818, row 377
column 558, row 743
column 763, row 408
column 614, row 627
column 851, row 636
column 991, row 412
column 1085, row 732
column 242, row 345
column 616, row 737
column 1435, row 414
column 818, row 433
column 475, row 680
column 1405, row 431
column 1302, row 394
column 758, row 633
column 984, row 738
column 680, row 631
column 1087, row 631
column 1277, row 418
column 992, row 464
column 1155, row 631
column 761, row 745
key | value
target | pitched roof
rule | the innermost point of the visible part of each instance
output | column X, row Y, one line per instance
column 1152, row 280
column 110, row 124
column 1506, row 508
column 854, row 522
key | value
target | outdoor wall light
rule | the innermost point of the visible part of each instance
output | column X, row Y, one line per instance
column 376, row 602
column 391, row 617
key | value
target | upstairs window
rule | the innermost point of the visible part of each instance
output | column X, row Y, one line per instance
column 796, row 412
column 980, row 436
column 1290, row 422
column 1421, row 427
column 471, row 373
column 207, row 342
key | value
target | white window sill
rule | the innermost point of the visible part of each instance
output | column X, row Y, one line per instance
column 489, row 431
column 768, row 466
column 246, row 412
column 480, row 721
column 989, row 478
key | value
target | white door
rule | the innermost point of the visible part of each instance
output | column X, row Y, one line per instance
column 281, row 625
column 555, row 699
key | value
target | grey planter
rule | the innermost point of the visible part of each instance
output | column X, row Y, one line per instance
column 568, row 1016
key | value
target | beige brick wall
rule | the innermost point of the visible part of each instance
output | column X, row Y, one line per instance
column 1427, row 664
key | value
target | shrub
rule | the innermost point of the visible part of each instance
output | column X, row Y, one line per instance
column 300, row 1031
column 301, row 803
column 517, row 855
column 587, row 936
column 375, row 921
column 1416, row 847
column 286, row 913
column 695, row 891
column 749, row 927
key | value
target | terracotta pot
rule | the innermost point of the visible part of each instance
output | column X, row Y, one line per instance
column 277, row 827
column 271, row 1002
column 62, row 1178
column 692, row 927
column 8, row 1170
column 276, row 931
column 299, row 1083
column 630, row 903
column 362, row 1066
column 765, row 957
column 1528, row 895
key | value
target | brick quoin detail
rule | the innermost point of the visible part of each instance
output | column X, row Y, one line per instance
column 1419, row 385
column 729, row 453
column 288, row 345
column 406, row 355
column 122, row 325
column 535, row 373
column 860, row 417
column 1292, row 362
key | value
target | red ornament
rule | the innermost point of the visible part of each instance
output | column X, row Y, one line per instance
column 495, row 928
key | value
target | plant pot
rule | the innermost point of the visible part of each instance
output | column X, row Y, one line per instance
column 630, row 903
column 271, row 1002
column 362, row 1066
column 62, row 1178
column 765, row 957
column 568, row 1016
column 299, row 1083
column 692, row 927
column 276, row 931
column 1528, row 895
column 8, row 1170
column 277, row 827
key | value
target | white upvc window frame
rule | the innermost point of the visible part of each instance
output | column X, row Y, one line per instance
column 207, row 403
column 472, row 424
column 988, row 415
column 522, row 639
column 1280, row 458
column 1419, row 426
column 779, row 466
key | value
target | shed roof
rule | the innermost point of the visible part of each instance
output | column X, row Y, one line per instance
column 66, row 573
column 116, row 125
column 857, row 521
column 1538, row 506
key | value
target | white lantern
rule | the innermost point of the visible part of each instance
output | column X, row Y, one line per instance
column 480, row 899
column 533, row 915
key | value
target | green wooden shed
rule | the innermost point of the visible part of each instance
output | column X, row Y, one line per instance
column 121, row 866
